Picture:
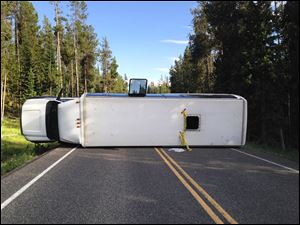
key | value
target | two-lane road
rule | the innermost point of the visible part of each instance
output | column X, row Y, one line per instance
column 151, row 185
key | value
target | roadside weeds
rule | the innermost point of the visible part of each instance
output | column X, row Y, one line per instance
column 16, row 151
column 292, row 155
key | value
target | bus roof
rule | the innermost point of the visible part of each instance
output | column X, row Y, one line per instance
column 177, row 95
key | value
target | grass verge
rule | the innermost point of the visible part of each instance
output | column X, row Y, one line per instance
column 15, row 149
column 292, row 155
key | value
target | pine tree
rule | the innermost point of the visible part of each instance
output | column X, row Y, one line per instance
column 182, row 74
column 30, row 85
column 28, row 35
column 33, row 59
column 17, row 26
column 105, row 55
column 202, row 50
column 290, row 33
column 163, row 85
column 89, row 43
column 68, row 59
column 116, row 83
column 152, row 89
column 105, row 60
column 78, row 17
column 6, row 51
column 48, row 65
column 58, row 34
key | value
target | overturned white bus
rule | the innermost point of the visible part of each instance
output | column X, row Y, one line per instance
column 137, row 119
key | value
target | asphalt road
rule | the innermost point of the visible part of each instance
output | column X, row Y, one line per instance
column 148, row 185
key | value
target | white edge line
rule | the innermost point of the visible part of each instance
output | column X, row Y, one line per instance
column 24, row 188
column 265, row 160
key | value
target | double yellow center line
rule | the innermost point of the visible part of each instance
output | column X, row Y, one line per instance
column 185, row 179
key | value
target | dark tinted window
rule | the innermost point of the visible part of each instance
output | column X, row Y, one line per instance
column 192, row 122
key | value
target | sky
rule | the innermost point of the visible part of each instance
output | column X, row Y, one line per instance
column 145, row 37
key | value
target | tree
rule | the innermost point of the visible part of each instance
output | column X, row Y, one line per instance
column 16, row 16
column 105, row 60
column 78, row 17
column 113, row 81
column 201, row 44
column 244, row 65
column 182, row 74
column 163, row 85
column 58, row 33
column 39, row 61
column 48, row 64
column 252, row 49
column 6, row 50
column 89, row 43
column 28, row 35
column 290, row 35
column 67, row 55
column 152, row 88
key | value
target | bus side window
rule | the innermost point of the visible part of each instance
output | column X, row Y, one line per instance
column 192, row 122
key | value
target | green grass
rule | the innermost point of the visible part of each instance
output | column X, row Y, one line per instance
column 15, row 149
column 287, row 154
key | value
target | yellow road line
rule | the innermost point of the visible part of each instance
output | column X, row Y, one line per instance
column 208, row 210
column 201, row 190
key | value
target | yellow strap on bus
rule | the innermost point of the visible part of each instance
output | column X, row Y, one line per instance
column 182, row 133
column 184, row 119
column 183, row 140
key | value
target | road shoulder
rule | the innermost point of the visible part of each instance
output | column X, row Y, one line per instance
column 16, row 179
column 271, row 157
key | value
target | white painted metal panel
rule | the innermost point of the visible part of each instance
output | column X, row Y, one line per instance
column 33, row 119
column 119, row 121
column 68, row 113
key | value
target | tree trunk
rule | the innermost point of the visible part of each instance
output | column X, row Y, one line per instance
column 76, row 71
column 2, row 86
column 282, row 140
column 72, row 81
column 289, row 120
column 58, row 54
column 85, row 81
column 76, row 63
column 207, row 88
column 17, row 49
column 3, row 97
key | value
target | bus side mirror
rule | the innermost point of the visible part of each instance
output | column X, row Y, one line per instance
column 137, row 87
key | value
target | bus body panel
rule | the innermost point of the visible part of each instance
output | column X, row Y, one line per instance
column 157, row 121
column 69, row 121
